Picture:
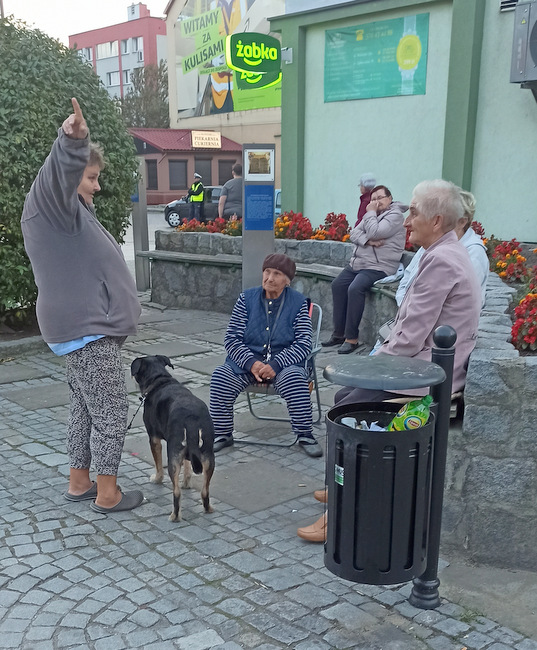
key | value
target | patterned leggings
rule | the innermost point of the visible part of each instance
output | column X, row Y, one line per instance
column 98, row 406
column 290, row 383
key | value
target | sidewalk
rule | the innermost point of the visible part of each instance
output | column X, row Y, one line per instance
column 238, row 578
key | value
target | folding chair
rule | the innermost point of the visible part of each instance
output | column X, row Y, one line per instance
column 316, row 315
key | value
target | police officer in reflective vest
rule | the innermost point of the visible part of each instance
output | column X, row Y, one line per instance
column 195, row 196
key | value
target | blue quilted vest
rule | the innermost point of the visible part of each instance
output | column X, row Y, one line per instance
column 256, row 335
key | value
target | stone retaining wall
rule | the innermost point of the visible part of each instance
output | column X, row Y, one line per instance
column 491, row 482
column 490, row 507
column 210, row 273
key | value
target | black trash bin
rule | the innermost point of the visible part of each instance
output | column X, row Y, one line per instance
column 379, row 488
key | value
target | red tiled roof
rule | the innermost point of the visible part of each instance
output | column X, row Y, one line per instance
column 176, row 140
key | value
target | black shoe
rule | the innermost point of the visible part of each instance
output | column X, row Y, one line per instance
column 221, row 442
column 333, row 340
column 313, row 449
column 347, row 347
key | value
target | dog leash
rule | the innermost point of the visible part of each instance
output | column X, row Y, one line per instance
column 142, row 400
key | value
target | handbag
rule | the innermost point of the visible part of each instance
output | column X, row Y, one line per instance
column 386, row 328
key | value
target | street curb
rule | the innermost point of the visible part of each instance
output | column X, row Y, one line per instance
column 22, row 347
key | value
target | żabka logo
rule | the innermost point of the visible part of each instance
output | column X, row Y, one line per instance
column 256, row 56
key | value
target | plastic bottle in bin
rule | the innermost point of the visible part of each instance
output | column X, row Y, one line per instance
column 412, row 415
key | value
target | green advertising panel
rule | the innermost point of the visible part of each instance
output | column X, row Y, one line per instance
column 380, row 59
column 256, row 59
column 208, row 21
column 252, row 81
column 204, row 56
column 206, row 30
column 245, row 100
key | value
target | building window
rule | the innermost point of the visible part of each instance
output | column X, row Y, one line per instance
column 152, row 177
column 86, row 53
column 137, row 43
column 177, row 171
column 126, row 77
column 224, row 171
column 106, row 50
column 125, row 46
column 112, row 78
column 203, row 167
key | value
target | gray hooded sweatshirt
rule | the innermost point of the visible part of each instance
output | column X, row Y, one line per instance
column 386, row 226
column 84, row 285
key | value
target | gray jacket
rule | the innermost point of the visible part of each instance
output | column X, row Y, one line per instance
column 84, row 285
column 387, row 226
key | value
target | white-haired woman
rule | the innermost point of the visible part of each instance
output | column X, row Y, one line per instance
column 468, row 238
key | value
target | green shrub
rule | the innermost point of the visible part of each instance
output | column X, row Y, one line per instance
column 38, row 77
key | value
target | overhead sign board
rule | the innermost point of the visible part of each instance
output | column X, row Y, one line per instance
column 206, row 140
column 379, row 59
column 257, row 58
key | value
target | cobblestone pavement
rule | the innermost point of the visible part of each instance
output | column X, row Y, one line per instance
column 71, row 578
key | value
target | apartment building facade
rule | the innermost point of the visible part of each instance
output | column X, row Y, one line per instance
column 116, row 51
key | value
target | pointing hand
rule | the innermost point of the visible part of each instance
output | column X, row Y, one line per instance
column 75, row 125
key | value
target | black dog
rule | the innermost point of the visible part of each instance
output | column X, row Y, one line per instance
column 172, row 413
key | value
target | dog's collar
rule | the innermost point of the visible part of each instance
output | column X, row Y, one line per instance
column 151, row 388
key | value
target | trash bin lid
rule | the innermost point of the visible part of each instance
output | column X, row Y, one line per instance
column 384, row 372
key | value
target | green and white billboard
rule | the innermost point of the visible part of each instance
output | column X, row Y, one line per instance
column 379, row 59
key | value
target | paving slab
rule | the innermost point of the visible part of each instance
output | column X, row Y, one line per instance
column 137, row 444
column 256, row 485
column 13, row 371
column 185, row 328
column 491, row 590
column 171, row 349
column 144, row 334
column 205, row 365
column 216, row 336
column 45, row 396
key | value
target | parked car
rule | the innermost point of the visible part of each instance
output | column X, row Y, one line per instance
column 177, row 210
column 277, row 203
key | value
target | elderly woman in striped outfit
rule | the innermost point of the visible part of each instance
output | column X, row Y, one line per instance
column 268, row 340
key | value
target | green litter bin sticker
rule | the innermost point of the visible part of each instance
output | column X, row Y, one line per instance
column 339, row 475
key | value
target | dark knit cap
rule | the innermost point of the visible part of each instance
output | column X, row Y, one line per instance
column 280, row 262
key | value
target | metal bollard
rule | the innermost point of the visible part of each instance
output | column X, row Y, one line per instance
column 424, row 592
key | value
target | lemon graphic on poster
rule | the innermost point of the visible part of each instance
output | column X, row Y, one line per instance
column 408, row 55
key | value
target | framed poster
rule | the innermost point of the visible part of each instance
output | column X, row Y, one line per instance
column 259, row 165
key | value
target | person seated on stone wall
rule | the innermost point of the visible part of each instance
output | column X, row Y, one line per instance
column 468, row 238
column 379, row 241
column 367, row 183
column 268, row 339
column 445, row 291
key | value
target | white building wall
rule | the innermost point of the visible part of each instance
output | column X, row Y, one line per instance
column 399, row 139
column 506, row 139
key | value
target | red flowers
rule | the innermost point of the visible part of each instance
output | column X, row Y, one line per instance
column 524, row 331
column 231, row 227
column 335, row 228
column 510, row 265
column 292, row 225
